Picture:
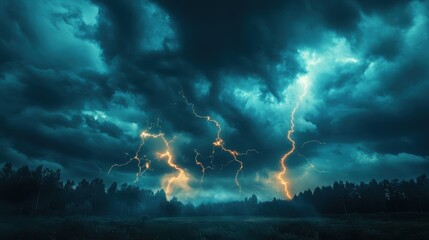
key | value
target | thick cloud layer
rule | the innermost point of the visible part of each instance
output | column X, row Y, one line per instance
column 80, row 80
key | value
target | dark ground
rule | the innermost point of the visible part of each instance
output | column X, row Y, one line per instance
column 351, row 227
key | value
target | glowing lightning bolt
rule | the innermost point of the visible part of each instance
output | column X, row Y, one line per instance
column 181, row 178
column 281, row 175
column 142, row 168
column 203, row 169
column 219, row 141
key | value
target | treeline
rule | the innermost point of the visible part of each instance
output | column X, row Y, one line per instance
column 384, row 196
column 41, row 192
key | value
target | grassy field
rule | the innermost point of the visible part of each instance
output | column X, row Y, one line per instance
column 369, row 227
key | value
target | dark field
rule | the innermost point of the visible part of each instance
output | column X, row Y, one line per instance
column 369, row 227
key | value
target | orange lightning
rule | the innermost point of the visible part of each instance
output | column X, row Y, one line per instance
column 168, row 181
column 203, row 168
column 141, row 168
column 219, row 142
column 181, row 178
column 281, row 175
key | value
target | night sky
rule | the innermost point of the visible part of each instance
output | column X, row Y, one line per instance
column 80, row 80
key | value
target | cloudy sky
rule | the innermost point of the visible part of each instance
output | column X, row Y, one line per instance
column 80, row 80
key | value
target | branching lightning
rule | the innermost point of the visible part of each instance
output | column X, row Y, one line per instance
column 142, row 168
column 169, row 181
column 310, row 60
column 219, row 143
column 203, row 168
column 281, row 176
column 182, row 177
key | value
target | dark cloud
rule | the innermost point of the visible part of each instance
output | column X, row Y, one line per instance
column 342, row 16
column 119, row 28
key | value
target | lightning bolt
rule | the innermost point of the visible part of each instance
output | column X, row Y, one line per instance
column 219, row 142
column 281, row 176
column 142, row 168
column 203, row 168
column 181, row 177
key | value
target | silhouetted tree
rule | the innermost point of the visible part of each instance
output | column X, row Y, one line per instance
column 41, row 192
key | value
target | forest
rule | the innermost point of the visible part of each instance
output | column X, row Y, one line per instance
column 41, row 192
